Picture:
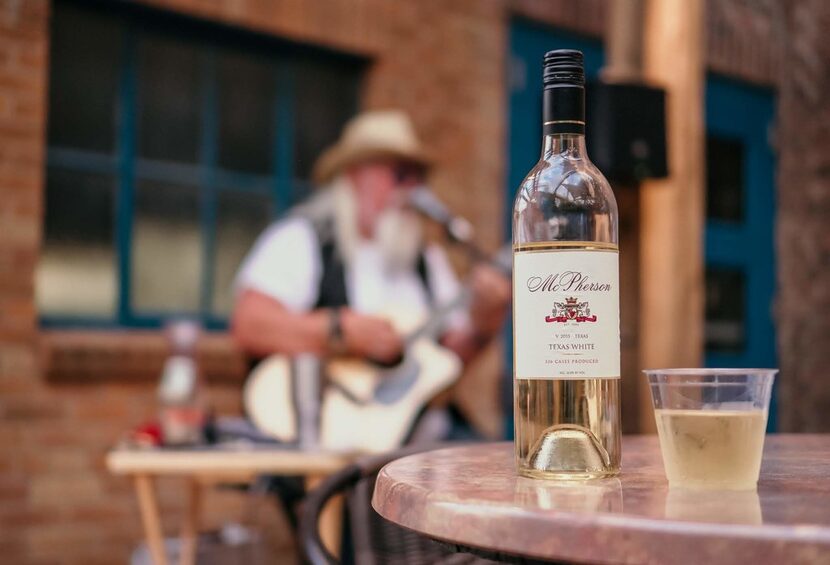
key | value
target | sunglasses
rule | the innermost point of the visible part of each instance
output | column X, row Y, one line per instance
column 409, row 172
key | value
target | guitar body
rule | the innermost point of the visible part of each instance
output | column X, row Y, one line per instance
column 364, row 408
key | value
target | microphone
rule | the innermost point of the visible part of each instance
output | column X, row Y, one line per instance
column 458, row 229
column 424, row 201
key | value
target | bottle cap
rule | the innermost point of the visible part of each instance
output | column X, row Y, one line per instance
column 564, row 67
column 183, row 335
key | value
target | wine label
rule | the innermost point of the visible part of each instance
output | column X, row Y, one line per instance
column 566, row 312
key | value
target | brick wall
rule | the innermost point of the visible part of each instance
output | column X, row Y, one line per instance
column 744, row 39
column 22, row 94
column 803, row 241
column 444, row 62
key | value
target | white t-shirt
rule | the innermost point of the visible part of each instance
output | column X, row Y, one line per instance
column 285, row 263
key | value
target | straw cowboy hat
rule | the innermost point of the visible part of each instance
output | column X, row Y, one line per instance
column 371, row 135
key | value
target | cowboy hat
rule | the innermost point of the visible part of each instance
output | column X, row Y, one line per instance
column 371, row 135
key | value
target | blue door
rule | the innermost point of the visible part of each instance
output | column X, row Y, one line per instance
column 740, row 209
column 528, row 44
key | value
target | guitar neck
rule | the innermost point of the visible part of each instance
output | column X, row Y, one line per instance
column 438, row 316
column 502, row 261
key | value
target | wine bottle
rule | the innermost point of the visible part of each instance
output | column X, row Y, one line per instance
column 566, row 328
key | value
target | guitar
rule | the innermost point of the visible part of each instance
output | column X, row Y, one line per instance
column 364, row 407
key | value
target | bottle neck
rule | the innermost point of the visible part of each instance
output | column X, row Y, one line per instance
column 563, row 115
column 570, row 145
column 563, row 109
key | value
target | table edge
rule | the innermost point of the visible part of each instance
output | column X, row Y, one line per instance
column 775, row 539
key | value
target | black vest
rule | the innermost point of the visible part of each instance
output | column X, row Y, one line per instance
column 333, row 279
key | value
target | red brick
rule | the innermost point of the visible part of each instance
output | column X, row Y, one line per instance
column 56, row 539
column 13, row 550
column 16, row 179
column 22, row 408
column 24, row 29
column 63, row 489
column 13, row 488
column 20, row 81
column 17, row 133
column 15, row 518
column 103, row 554
column 105, row 511
column 102, row 410
column 59, row 460
column 17, row 317
column 30, row 108
column 33, row 57
column 14, row 384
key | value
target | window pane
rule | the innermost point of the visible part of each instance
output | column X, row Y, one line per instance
column 85, row 56
column 241, row 218
column 167, row 248
column 76, row 274
column 169, row 99
column 724, row 179
column 725, row 328
column 246, row 112
column 326, row 96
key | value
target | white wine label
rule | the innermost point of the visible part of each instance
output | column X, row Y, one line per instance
column 566, row 313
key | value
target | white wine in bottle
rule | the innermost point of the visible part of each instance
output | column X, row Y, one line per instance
column 566, row 318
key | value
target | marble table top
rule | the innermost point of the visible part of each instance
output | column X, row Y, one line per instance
column 470, row 495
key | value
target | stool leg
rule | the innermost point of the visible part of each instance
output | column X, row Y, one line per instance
column 331, row 518
column 190, row 526
column 148, row 506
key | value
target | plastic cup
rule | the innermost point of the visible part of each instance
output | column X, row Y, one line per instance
column 711, row 424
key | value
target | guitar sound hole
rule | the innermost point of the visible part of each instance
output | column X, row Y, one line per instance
column 394, row 384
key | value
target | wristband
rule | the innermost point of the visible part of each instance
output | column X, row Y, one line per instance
column 336, row 341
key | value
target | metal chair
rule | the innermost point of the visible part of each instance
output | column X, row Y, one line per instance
column 374, row 540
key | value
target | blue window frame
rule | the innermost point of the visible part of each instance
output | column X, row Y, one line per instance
column 171, row 144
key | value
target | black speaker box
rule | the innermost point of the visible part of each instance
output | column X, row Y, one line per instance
column 626, row 132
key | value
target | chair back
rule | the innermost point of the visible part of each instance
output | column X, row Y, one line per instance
column 374, row 540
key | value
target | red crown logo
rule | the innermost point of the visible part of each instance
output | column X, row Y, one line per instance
column 571, row 311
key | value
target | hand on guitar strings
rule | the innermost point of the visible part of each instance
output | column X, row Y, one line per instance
column 370, row 336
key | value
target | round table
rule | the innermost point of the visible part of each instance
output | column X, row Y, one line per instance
column 470, row 496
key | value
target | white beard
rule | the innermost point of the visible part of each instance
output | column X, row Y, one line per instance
column 397, row 231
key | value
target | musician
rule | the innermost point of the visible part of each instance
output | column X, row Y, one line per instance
column 321, row 279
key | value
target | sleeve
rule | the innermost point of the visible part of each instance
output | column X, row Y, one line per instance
column 285, row 264
column 445, row 287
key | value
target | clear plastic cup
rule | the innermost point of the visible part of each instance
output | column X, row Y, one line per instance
column 711, row 424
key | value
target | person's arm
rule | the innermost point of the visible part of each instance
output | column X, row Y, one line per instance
column 488, row 308
column 262, row 326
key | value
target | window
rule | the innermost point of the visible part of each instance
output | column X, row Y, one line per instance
column 171, row 145
column 725, row 326
column 724, row 179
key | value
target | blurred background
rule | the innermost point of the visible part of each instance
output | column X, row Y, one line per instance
column 144, row 145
